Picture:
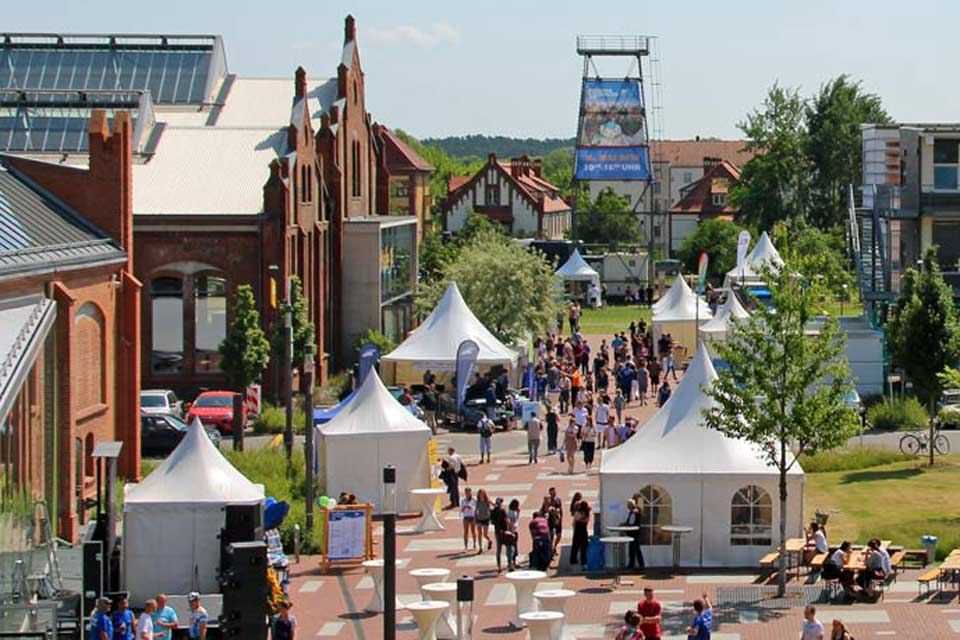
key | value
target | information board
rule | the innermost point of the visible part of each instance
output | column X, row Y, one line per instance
column 347, row 534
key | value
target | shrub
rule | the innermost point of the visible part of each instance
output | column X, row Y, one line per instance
column 850, row 459
column 898, row 415
column 273, row 419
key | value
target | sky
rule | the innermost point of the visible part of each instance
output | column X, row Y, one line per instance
column 499, row 67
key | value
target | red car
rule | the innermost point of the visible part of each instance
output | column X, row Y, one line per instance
column 215, row 409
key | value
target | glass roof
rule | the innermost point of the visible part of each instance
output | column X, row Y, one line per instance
column 57, row 121
column 175, row 70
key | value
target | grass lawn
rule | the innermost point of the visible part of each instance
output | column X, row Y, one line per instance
column 900, row 501
column 607, row 320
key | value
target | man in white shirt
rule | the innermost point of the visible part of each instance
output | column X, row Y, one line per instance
column 145, row 622
column 533, row 439
column 611, row 436
column 812, row 628
column 580, row 415
column 455, row 460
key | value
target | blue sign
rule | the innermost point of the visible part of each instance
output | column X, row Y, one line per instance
column 369, row 358
column 467, row 354
column 620, row 163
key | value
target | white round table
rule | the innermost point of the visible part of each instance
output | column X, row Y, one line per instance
column 375, row 569
column 619, row 543
column 426, row 615
column 553, row 599
column 428, row 576
column 443, row 592
column 676, row 532
column 524, row 583
column 544, row 625
column 424, row 500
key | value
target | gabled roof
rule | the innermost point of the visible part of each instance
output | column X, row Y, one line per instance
column 698, row 198
column 455, row 182
column 690, row 153
column 682, row 305
column 400, row 157
column 372, row 410
column 576, row 268
column 727, row 314
column 539, row 193
column 39, row 233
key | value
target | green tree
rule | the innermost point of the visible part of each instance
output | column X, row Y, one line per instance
column 825, row 258
column 383, row 342
column 508, row 288
column 774, row 183
column 245, row 351
column 834, row 145
column 607, row 220
column 445, row 166
column 923, row 332
column 436, row 250
column 303, row 329
column 719, row 239
column 785, row 390
column 558, row 169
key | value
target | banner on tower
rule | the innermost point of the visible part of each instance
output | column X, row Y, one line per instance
column 612, row 140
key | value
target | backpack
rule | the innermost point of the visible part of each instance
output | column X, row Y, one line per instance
column 485, row 430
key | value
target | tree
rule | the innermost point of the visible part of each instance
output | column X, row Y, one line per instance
column 834, row 145
column 509, row 288
column 607, row 220
column 303, row 329
column 383, row 341
column 784, row 390
column 558, row 169
column 773, row 184
column 923, row 332
column 437, row 250
column 245, row 351
column 825, row 259
column 719, row 239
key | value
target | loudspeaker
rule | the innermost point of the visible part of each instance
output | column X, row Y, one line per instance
column 92, row 575
column 242, row 523
column 245, row 591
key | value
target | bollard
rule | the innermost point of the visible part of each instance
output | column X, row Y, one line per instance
column 296, row 543
column 464, row 601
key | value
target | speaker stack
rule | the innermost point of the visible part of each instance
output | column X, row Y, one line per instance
column 245, row 591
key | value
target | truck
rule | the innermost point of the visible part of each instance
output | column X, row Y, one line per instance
column 620, row 270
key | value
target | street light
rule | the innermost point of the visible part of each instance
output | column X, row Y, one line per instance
column 843, row 297
column 389, row 511
column 308, row 365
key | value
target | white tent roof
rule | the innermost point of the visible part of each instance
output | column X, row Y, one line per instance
column 373, row 410
column 195, row 473
column 681, row 305
column 677, row 289
column 576, row 268
column 436, row 340
column 730, row 311
column 764, row 253
column 675, row 440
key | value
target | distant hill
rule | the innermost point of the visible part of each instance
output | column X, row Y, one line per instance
column 479, row 146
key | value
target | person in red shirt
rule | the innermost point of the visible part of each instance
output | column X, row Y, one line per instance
column 649, row 610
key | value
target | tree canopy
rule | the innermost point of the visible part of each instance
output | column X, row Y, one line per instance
column 245, row 351
column 508, row 287
column 719, row 239
column 607, row 220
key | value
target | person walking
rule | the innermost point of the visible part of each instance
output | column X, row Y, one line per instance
column 653, row 367
column 651, row 616
column 483, row 519
column 580, row 509
column 539, row 542
column 533, row 439
column 283, row 625
column 449, row 477
column 498, row 518
column 468, row 515
column 812, row 628
column 603, row 414
column 485, row 429
column 634, row 520
column 556, row 523
column 619, row 402
column 643, row 382
column 101, row 628
column 553, row 428
column 429, row 402
column 588, row 442
column 664, row 393
column 512, row 534
column 571, row 442
column 565, row 385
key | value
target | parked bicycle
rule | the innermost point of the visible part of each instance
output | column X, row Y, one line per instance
column 916, row 443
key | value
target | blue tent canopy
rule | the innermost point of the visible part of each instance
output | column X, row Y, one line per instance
column 322, row 416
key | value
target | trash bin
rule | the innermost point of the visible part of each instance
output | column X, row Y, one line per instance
column 595, row 555
column 930, row 544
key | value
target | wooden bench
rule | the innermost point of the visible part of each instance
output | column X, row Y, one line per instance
column 925, row 578
column 769, row 561
column 896, row 561
column 816, row 562
column 918, row 556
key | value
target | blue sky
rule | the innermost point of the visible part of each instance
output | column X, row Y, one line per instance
column 510, row 67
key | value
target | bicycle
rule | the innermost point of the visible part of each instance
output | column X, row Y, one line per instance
column 915, row 443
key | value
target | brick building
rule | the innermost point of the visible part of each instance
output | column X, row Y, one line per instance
column 707, row 198
column 408, row 182
column 513, row 194
column 69, row 321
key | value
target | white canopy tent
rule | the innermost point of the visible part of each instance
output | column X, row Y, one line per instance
column 721, row 325
column 433, row 345
column 680, row 316
column 763, row 254
column 671, row 294
column 372, row 431
column 690, row 475
column 576, row 269
column 172, row 520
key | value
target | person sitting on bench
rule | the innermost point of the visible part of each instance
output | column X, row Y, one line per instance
column 878, row 567
column 833, row 568
column 816, row 542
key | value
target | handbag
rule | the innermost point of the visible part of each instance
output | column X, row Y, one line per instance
column 563, row 456
column 509, row 537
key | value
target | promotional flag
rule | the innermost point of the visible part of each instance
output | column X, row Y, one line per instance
column 702, row 272
column 467, row 354
column 530, row 381
column 743, row 241
column 369, row 357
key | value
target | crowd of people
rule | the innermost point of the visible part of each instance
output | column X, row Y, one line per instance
column 115, row 621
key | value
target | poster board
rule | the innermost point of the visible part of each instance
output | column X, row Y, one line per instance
column 612, row 138
column 347, row 535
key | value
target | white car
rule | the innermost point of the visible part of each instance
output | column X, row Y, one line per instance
column 160, row 402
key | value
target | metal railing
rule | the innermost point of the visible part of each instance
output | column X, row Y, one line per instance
column 613, row 45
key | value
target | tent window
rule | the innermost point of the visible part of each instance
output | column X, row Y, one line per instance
column 656, row 511
column 751, row 517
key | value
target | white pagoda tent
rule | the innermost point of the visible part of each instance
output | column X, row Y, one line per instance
column 433, row 345
column 763, row 254
column 369, row 433
column 681, row 315
column 687, row 474
column 172, row 520
column 721, row 325
column 672, row 292
column 576, row 269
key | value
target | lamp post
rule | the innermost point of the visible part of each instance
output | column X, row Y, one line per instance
column 288, row 373
column 843, row 296
column 389, row 510
column 308, row 364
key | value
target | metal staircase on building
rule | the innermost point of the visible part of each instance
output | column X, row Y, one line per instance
column 869, row 234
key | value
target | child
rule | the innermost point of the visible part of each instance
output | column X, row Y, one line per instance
column 631, row 628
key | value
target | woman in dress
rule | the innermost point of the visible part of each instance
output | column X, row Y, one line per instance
column 588, row 442
column 571, row 442
column 580, row 509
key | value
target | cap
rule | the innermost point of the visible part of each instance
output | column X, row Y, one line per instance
column 104, row 600
column 193, row 596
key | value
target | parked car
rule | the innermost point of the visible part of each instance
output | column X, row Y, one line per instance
column 160, row 434
column 161, row 401
column 215, row 409
column 413, row 408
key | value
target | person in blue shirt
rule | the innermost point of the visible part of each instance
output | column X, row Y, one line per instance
column 703, row 622
column 123, row 621
column 165, row 619
column 100, row 626
column 198, row 618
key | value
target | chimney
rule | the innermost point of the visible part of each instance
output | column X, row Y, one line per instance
column 538, row 168
column 516, row 167
column 300, row 83
column 349, row 29
column 492, row 158
column 111, row 172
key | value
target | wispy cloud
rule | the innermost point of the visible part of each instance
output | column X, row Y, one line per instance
column 425, row 37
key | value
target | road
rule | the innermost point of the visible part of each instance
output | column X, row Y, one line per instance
column 891, row 439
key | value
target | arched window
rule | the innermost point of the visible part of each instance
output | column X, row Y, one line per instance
column 166, row 320
column 210, row 317
column 656, row 511
column 90, row 379
column 751, row 517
